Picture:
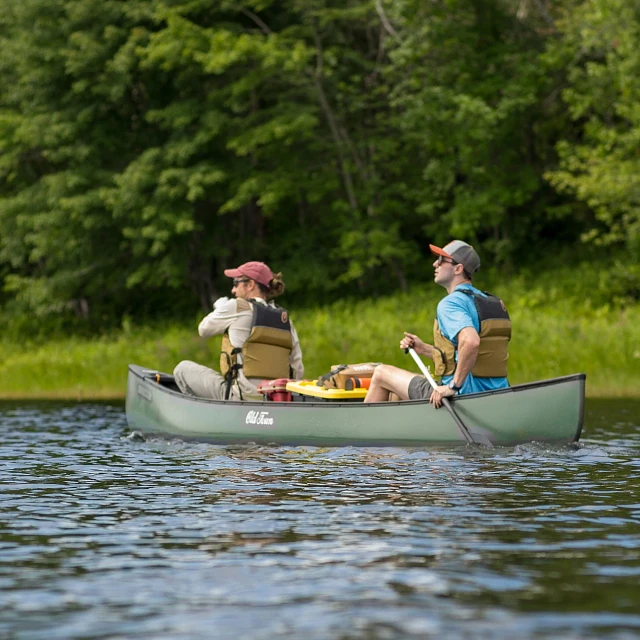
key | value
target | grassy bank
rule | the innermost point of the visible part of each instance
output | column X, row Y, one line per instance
column 554, row 334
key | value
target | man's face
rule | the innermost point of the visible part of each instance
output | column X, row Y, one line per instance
column 445, row 270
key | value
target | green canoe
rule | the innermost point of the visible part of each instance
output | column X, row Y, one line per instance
column 549, row 411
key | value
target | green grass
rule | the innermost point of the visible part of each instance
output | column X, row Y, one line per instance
column 555, row 333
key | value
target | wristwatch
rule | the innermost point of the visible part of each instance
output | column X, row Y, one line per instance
column 452, row 385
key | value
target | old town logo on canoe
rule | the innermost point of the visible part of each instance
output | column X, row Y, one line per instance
column 259, row 417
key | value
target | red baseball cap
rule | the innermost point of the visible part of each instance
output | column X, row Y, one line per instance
column 257, row 271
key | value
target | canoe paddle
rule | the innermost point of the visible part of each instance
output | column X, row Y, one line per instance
column 479, row 439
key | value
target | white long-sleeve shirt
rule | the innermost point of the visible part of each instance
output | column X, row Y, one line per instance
column 226, row 317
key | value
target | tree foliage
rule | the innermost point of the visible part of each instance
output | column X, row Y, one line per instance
column 599, row 161
column 146, row 145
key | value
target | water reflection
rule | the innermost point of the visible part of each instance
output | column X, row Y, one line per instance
column 102, row 535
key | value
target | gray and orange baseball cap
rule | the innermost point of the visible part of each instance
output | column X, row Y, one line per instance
column 460, row 252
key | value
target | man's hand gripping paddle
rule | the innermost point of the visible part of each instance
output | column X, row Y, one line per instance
column 477, row 438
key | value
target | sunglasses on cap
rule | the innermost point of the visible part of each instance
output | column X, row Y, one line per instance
column 237, row 281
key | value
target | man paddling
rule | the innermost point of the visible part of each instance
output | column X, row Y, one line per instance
column 259, row 340
column 471, row 335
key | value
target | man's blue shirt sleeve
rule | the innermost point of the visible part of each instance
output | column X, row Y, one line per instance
column 455, row 314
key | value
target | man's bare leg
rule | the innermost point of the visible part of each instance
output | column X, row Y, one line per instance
column 386, row 379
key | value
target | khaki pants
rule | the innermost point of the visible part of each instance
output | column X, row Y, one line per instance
column 197, row 380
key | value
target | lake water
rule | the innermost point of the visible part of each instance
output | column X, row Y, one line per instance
column 105, row 536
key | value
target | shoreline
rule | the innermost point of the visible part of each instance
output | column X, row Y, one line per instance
column 548, row 341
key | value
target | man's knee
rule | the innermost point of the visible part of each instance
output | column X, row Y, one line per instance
column 383, row 373
column 379, row 372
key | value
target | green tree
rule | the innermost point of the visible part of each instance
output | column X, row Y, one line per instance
column 148, row 145
column 71, row 121
column 599, row 163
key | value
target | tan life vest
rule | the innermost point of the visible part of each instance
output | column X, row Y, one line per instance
column 265, row 353
column 495, row 333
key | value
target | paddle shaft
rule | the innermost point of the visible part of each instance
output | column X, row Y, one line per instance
column 445, row 401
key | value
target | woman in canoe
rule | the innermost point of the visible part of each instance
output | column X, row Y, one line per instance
column 259, row 340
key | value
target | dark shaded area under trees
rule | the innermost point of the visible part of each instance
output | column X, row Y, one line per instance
column 145, row 146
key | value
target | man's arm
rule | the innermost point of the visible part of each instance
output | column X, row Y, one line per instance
column 468, row 345
column 412, row 341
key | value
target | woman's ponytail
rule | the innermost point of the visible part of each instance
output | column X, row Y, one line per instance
column 276, row 286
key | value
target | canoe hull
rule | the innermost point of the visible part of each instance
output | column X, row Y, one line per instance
column 550, row 411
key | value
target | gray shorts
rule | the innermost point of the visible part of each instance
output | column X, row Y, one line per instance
column 419, row 389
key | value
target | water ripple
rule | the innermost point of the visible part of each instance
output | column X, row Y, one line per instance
column 103, row 535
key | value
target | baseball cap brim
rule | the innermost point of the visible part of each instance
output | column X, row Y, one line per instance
column 233, row 273
column 438, row 251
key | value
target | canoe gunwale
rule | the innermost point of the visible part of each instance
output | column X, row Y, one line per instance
column 140, row 371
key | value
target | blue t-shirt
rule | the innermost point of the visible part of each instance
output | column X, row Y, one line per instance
column 455, row 312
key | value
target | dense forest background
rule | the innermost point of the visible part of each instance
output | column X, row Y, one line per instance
column 145, row 146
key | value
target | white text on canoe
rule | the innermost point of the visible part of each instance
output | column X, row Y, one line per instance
column 259, row 417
